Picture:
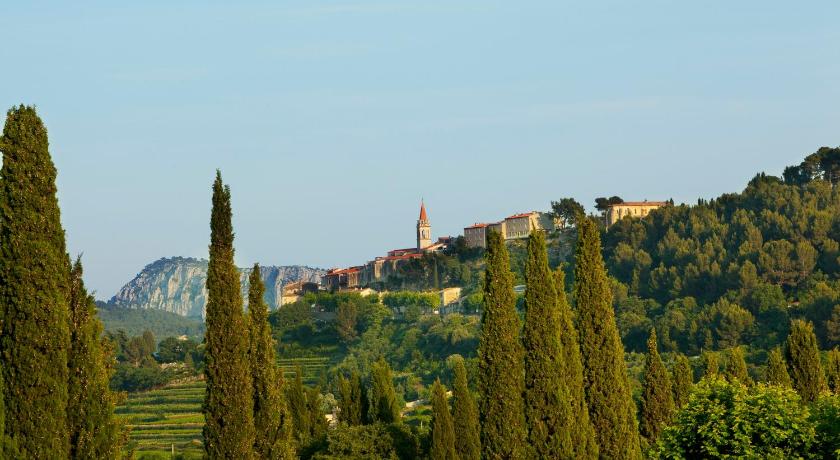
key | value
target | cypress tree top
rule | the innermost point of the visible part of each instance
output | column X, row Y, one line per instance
column 611, row 406
column 657, row 398
column 443, row 435
column 34, row 270
column 501, row 380
column 777, row 373
column 803, row 358
column 464, row 415
column 683, row 380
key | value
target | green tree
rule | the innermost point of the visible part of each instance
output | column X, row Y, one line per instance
column 501, row 373
column 547, row 402
column 94, row 430
column 384, row 406
column 272, row 422
column 657, row 396
column 443, row 433
column 345, row 321
column 464, row 415
column 833, row 370
column 683, row 381
column 710, row 361
column 736, row 366
column 825, row 417
column 228, row 400
column 568, row 210
column 777, row 373
column 34, row 271
column 611, row 406
column 296, row 397
column 581, row 431
column 803, row 358
column 349, row 404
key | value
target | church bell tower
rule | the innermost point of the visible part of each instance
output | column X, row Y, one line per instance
column 424, row 229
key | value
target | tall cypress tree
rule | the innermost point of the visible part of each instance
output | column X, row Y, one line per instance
column 803, row 359
column 710, row 359
column 34, row 271
column 296, row 396
column 443, row 434
column 611, row 406
column 501, row 373
column 777, row 373
column 833, row 370
column 272, row 422
column 94, row 430
column 547, row 402
column 228, row 400
column 657, row 396
column 464, row 415
column 736, row 366
column 383, row 400
column 581, row 431
column 683, row 380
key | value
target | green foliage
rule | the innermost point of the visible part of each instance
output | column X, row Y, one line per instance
column 777, row 373
column 683, row 380
column 803, row 358
column 611, row 408
column 272, row 423
column 162, row 323
column 657, row 396
column 345, row 321
column 464, row 415
column 33, row 291
column 94, row 431
column 443, row 433
column 825, row 418
column 298, row 409
column 501, row 380
column 711, row 364
column 365, row 442
column 568, row 210
column 228, row 405
column 175, row 350
column 736, row 366
column 832, row 370
column 384, row 406
column 728, row 420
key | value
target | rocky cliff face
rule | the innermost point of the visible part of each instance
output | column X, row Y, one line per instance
column 177, row 285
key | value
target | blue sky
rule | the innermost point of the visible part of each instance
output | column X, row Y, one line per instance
column 330, row 120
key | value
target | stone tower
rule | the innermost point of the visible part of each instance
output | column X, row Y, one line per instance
column 424, row 229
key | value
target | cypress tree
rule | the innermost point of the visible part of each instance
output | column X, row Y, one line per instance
column 34, row 271
column 464, row 415
column 777, row 373
column 346, row 405
column 611, row 406
column 317, row 420
column 501, row 373
column 443, row 434
column 228, row 400
column 271, row 418
column 736, row 367
column 547, row 402
column 581, row 431
column 803, row 359
column 833, row 370
column 383, row 400
column 657, row 397
column 296, row 396
column 94, row 430
column 710, row 359
column 683, row 381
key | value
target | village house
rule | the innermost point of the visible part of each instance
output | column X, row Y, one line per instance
column 616, row 212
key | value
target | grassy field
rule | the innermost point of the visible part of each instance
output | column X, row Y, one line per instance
column 171, row 416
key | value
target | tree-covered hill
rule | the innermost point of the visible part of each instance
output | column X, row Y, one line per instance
column 735, row 269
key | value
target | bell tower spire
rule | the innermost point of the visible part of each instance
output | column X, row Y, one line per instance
column 424, row 229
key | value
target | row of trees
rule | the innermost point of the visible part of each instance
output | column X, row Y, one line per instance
column 55, row 401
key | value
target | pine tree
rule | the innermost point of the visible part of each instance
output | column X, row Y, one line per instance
column 34, row 271
column 657, row 396
column 683, row 381
column 833, row 370
column 228, row 400
column 464, row 415
column 710, row 359
column 777, row 373
column 296, row 397
column 383, row 397
column 443, row 434
column 736, row 366
column 803, row 359
column 501, row 380
column 581, row 431
column 611, row 406
column 547, row 402
column 271, row 418
column 94, row 430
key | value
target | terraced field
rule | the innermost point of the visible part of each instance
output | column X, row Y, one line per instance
column 171, row 416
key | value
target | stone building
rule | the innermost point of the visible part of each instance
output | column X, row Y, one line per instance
column 512, row 227
column 616, row 212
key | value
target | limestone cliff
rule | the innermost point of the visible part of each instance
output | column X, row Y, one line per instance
column 177, row 285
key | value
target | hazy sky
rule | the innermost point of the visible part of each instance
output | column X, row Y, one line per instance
column 330, row 120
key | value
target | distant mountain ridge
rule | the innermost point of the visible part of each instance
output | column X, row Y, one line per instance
column 177, row 285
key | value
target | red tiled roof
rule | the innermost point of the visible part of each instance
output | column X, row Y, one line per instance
column 519, row 216
column 477, row 225
column 423, row 211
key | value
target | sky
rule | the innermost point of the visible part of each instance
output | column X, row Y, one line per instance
column 330, row 121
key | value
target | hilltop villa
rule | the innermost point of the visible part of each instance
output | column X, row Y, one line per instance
column 616, row 212
column 512, row 227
